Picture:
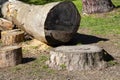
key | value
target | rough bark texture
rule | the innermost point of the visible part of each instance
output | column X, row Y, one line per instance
column 97, row 6
column 53, row 23
column 5, row 24
column 75, row 58
column 12, row 37
column 10, row 56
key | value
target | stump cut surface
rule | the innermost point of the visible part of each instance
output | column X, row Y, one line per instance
column 12, row 37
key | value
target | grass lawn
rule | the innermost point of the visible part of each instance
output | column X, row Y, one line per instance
column 105, row 23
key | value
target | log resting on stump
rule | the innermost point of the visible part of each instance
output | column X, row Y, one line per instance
column 12, row 37
column 53, row 23
column 76, row 58
column 97, row 6
column 10, row 56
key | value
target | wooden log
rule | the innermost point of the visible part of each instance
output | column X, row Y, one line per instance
column 77, row 58
column 5, row 24
column 10, row 56
column 53, row 23
column 12, row 37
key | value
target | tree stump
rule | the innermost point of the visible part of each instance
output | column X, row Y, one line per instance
column 12, row 37
column 45, row 22
column 97, row 6
column 84, row 57
column 10, row 56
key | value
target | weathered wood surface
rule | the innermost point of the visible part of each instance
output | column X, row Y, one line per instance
column 97, row 6
column 5, row 24
column 12, row 37
column 53, row 23
column 10, row 56
column 2, row 2
column 76, row 58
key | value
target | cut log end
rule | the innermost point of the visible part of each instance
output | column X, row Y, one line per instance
column 76, row 58
column 78, row 49
column 62, row 23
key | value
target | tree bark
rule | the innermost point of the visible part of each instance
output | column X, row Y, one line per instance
column 53, row 23
column 12, row 37
column 10, row 56
column 76, row 58
column 97, row 6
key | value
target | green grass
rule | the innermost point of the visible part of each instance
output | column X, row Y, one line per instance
column 102, row 25
column 35, row 67
column 78, row 4
column 63, row 66
column 105, row 23
column 112, row 63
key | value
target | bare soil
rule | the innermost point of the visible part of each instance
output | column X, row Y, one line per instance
column 33, row 68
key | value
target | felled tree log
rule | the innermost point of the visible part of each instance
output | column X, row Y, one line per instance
column 10, row 56
column 12, row 37
column 97, row 6
column 5, row 24
column 53, row 23
column 76, row 58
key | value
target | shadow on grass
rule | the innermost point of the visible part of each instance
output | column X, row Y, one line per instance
column 117, row 6
column 26, row 60
column 85, row 39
